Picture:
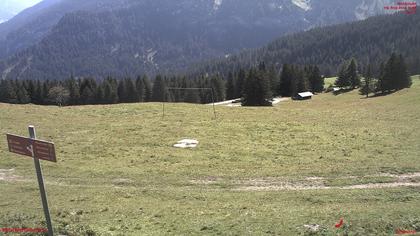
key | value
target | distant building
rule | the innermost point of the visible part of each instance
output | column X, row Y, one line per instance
column 304, row 96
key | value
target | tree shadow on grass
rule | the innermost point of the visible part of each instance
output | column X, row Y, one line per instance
column 376, row 95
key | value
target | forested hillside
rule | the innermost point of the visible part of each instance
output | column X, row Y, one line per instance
column 54, row 39
column 370, row 41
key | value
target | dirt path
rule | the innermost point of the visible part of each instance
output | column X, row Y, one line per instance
column 252, row 184
column 313, row 183
column 9, row 176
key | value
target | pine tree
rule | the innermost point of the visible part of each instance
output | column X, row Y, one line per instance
column 285, row 83
column 381, row 84
column 45, row 89
column 147, row 89
column 368, row 84
column 22, row 94
column 315, row 79
column 230, row 87
column 352, row 74
column 30, row 88
column 88, row 91
column 110, row 91
column 403, row 78
column 100, row 95
column 300, row 81
column 159, row 93
column 239, row 85
column 141, row 90
column 37, row 98
column 74, row 91
column 131, row 90
column 274, row 80
column 250, row 90
column 218, row 87
column 122, row 93
column 7, row 92
column 343, row 80
column 257, row 91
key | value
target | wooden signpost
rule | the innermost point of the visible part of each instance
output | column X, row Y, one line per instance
column 38, row 150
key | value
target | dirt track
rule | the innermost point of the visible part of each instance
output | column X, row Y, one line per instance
column 257, row 184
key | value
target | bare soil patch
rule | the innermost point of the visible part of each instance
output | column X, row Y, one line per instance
column 308, row 183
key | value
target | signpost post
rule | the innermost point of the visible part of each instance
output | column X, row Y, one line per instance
column 36, row 149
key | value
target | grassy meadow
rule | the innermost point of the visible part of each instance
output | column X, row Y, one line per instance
column 118, row 174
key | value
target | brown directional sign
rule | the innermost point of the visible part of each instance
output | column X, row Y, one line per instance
column 31, row 147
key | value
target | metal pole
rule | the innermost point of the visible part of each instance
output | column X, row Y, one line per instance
column 163, row 103
column 38, row 169
column 214, row 108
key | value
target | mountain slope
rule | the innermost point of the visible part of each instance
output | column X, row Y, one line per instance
column 157, row 36
column 369, row 41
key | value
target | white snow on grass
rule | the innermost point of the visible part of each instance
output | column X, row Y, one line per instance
column 186, row 143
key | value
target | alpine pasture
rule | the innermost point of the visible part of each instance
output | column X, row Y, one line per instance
column 256, row 171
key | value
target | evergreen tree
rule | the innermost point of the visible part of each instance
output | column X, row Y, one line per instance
column 88, row 91
column 352, row 74
column 74, row 91
column 315, row 79
column 403, row 78
column 21, row 93
column 394, row 75
column 30, row 88
column 274, row 80
column 381, row 84
column 45, row 89
column 230, row 87
column 131, row 90
column 286, row 79
column 368, row 84
column 159, row 93
column 147, row 89
column 122, row 93
column 141, row 90
column 300, row 82
column 38, row 94
column 100, row 95
column 110, row 91
column 257, row 91
column 343, row 80
column 239, row 85
column 7, row 92
column 218, row 87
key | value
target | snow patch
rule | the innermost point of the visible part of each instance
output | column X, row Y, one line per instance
column 186, row 143
column 151, row 55
column 304, row 4
column 275, row 6
column 217, row 4
column 115, row 48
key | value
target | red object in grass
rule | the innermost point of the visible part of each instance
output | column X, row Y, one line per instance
column 401, row 231
column 339, row 224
